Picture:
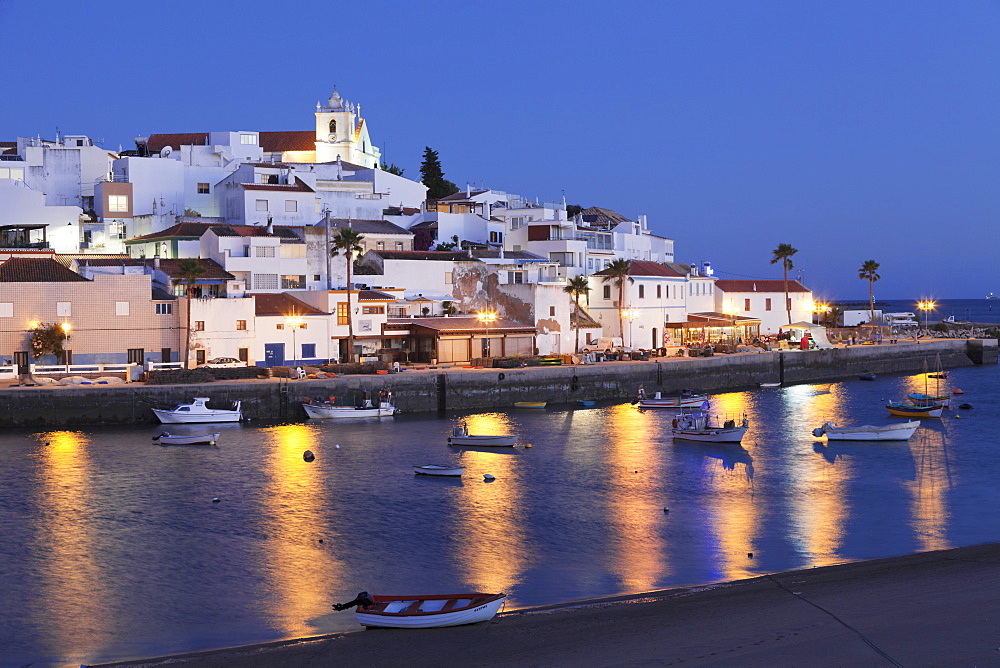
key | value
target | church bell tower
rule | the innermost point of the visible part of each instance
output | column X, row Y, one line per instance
column 342, row 133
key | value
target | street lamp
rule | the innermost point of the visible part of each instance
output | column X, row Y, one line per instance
column 294, row 323
column 730, row 310
column 486, row 317
column 821, row 310
column 630, row 314
column 926, row 306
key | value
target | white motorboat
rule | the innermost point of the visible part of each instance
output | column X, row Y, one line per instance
column 901, row 431
column 682, row 399
column 696, row 426
column 437, row 469
column 461, row 436
column 198, row 411
column 166, row 438
column 324, row 410
column 424, row 612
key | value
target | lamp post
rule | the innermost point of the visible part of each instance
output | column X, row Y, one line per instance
column 66, row 327
column 820, row 310
column 925, row 306
column 486, row 317
column 294, row 323
column 630, row 314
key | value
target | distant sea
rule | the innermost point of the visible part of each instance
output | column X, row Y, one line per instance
column 974, row 310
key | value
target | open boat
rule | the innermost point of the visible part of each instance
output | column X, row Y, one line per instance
column 915, row 411
column 324, row 410
column 770, row 384
column 436, row 469
column 901, row 431
column 866, row 376
column 424, row 612
column 939, row 371
column 461, row 436
column 696, row 426
column 682, row 399
column 166, row 438
column 530, row 404
column 198, row 411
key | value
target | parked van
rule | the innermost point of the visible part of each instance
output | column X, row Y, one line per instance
column 610, row 344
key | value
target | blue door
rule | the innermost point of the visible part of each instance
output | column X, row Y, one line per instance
column 274, row 354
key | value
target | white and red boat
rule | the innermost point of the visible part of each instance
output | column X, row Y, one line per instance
column 424, row 612
column 682, row 399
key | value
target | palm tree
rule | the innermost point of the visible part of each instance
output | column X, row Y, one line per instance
column 189, row 269
column 348, row 242
column 576, row 287
column 617, row 273
column 783, row 254
column 869, row 272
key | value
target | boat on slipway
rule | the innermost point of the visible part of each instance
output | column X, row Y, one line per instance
column 900, row 431
column 198, row 411
column 366, row 408
column 424, row 611
column 697, row 426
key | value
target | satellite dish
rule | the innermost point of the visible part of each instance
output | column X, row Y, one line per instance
column 166, row 151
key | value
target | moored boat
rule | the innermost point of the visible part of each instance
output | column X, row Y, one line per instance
column 424, row 611
column 166, row 438
column 198, row 411
column 866, row 376
column 697, row 426
column 530, row 404
column 901, row 431
column 325, row 410
column 437, row 469
column 914, row 411
column 461, row 436
column 682, row 399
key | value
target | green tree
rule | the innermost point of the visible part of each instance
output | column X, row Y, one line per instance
column 576, row 287
column 454, row 244
column 573, row 209
column 189, row 270
column 393, row 169
column 783, row 254
column 348, row 242
column 617, row 273
column 432, row 176
column 869, row 272
column 47, row 339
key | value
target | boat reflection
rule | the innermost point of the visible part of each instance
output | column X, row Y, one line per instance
column 728, row 455
column 68, row 549
column 296, row 515
column 933, row 479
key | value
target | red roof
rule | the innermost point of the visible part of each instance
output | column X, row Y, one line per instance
column 758, row 285
column 36, row 270
column 281, row 304
column 647, row 268
column 298, row 187
column 271, row 142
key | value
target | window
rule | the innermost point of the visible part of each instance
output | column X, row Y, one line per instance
column 379, row 245
column 64, row 308
column 243, row 354
column 265, row 282
column 164, row 309
column 515, row 277
column 121, row 308
column 642, row 292
column 659, row 291
column 372, row 310
column 203, row 189
column 342, row 313
column 447, row 277
column 248, row 139
column 552, row 311
column 264, row 251
column 291, row 206
column 319, row 205
column 7, row 310
column 280, row 325
column 607, row 292
column 315, row 277
column 241, row 325
column 261, row 205
column 118, row 203
column 496, row 237
column 309, row 350
column 199, row 325
column 767, row 304
column 293, row 282
column 399, row 245
column 516, row 222
column 746, row 304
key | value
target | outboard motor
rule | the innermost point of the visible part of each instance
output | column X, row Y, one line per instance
column 818, row 431
column 363, row 599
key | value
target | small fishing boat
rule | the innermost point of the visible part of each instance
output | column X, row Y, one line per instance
column 198, row 411
column 682, row 399
column 939, row 371
column 325, row 410
column 921, row 399
column 890, row 432
column 586, row 403
column 866, row 376
column 914, row 411
column 696, row 426
column 461, row 436
column 424, row 612
column 769, row 384
column 166, row 438
column 435, row 469
column 530, row 404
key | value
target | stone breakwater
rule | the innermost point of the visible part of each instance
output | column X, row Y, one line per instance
column 430, row 390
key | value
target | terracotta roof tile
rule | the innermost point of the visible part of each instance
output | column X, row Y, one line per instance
column 369, row 226
column 36, row 270
column 647, row 268
column 300, row 186
column 439, row 256
column 759, row 285
column 281, row 304
column 287, row 140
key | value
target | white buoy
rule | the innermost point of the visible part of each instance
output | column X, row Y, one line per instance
column 337, row 447
column 216, row 500
column 488, row 477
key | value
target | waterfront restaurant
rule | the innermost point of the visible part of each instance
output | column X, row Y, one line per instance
column 459, row 339
column 711, row 327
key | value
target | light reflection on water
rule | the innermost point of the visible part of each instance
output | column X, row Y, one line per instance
column 112, row 547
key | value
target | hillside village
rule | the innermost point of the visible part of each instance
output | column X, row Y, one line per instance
column 203, row 245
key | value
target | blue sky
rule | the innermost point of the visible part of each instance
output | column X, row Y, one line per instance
column 850, row 130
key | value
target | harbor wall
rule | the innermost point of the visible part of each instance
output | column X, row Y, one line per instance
column 433, row 390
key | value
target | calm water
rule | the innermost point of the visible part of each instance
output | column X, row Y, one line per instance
column 112, row 547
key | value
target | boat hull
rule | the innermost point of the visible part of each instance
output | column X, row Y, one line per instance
column 434, row 469
column 193, row 439
column 906, row 410
column 321, row 412
column 690, row 401
column 529, row 404
column 415, row 612
column 198, row 412
column 483, row 440
column 719, row 435
column 892, row 432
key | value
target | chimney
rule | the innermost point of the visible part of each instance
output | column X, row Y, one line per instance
column 270, row 225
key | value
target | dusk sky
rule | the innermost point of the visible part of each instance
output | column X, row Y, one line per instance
column 850, row 130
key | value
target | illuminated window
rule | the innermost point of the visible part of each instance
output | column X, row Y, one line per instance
column 293, row 282
column 199, row 325
column 118, row 203
column 342, row 313
column 241, row 325
column 746, row 304
column 203, row 189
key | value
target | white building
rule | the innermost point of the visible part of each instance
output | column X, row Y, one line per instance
column 764, row 300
